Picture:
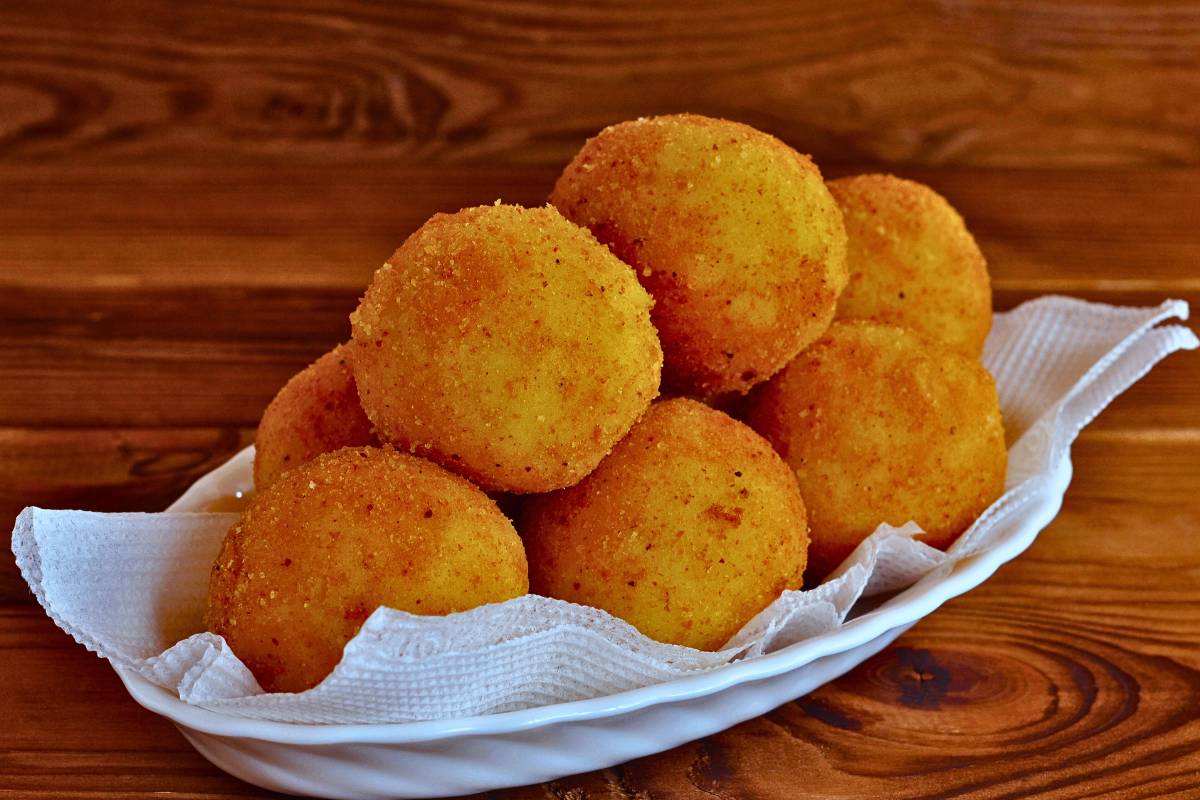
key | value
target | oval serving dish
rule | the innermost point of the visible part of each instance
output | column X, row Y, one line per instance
column 460, row 756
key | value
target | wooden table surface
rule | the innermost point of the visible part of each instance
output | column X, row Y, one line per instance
column 193, row 196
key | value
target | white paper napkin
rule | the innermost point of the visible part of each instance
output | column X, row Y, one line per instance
column 131, row 587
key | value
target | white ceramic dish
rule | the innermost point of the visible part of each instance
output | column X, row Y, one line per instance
column 461, row 756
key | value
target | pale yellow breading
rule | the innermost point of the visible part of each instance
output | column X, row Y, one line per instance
column 882, row 425
column 913, row 262
column 731, row 230
column 315, row 412
column 508, row 345
column 316, row 553
column 690, row 527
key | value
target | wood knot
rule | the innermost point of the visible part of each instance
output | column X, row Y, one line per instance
column 922, row 681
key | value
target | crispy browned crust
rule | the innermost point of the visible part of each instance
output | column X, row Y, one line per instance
column 913, row 262
column 882, row 425
column 317, row 411
column 731, row 230
column 690, row 527
column 316, row 553
column 506, row 344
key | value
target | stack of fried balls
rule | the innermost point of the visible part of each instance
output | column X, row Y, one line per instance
column 512, row 358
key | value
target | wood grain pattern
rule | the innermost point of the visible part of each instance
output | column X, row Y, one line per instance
column 149, row 281
column 168, row 382
column 101, row 469
column 1116, row 233
column 976, row 82
column 193, row 196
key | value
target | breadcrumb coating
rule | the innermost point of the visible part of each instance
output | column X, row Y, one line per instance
column 882, row 425
column 506, row 344
column 321, row 548
column 690, row 527
column 732, row 232
column 913, row 262
column 316, row 412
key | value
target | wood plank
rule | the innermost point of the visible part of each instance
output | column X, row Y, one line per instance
column 1120, row 233
column 195, row 382
column 110, row 469
column 281, row 227
column 1073, row 672
column 981, row 82
column 261, row 313
column 101, row 469
column 140, row 382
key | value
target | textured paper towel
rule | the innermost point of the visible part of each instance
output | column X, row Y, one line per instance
column 131, row 587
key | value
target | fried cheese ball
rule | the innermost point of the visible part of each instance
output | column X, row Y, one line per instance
column 731, row 230
column 690, row 527
column 913, row 262
column 332, row 540
column 317, row 411
column 506, row 344
column 882, row 425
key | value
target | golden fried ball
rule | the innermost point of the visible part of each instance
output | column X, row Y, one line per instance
column 331, row 540
column 913, row 262
column 882, row 425
column 317, row 411
column 731, row 230
column 508, row 345
column 690, row 527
